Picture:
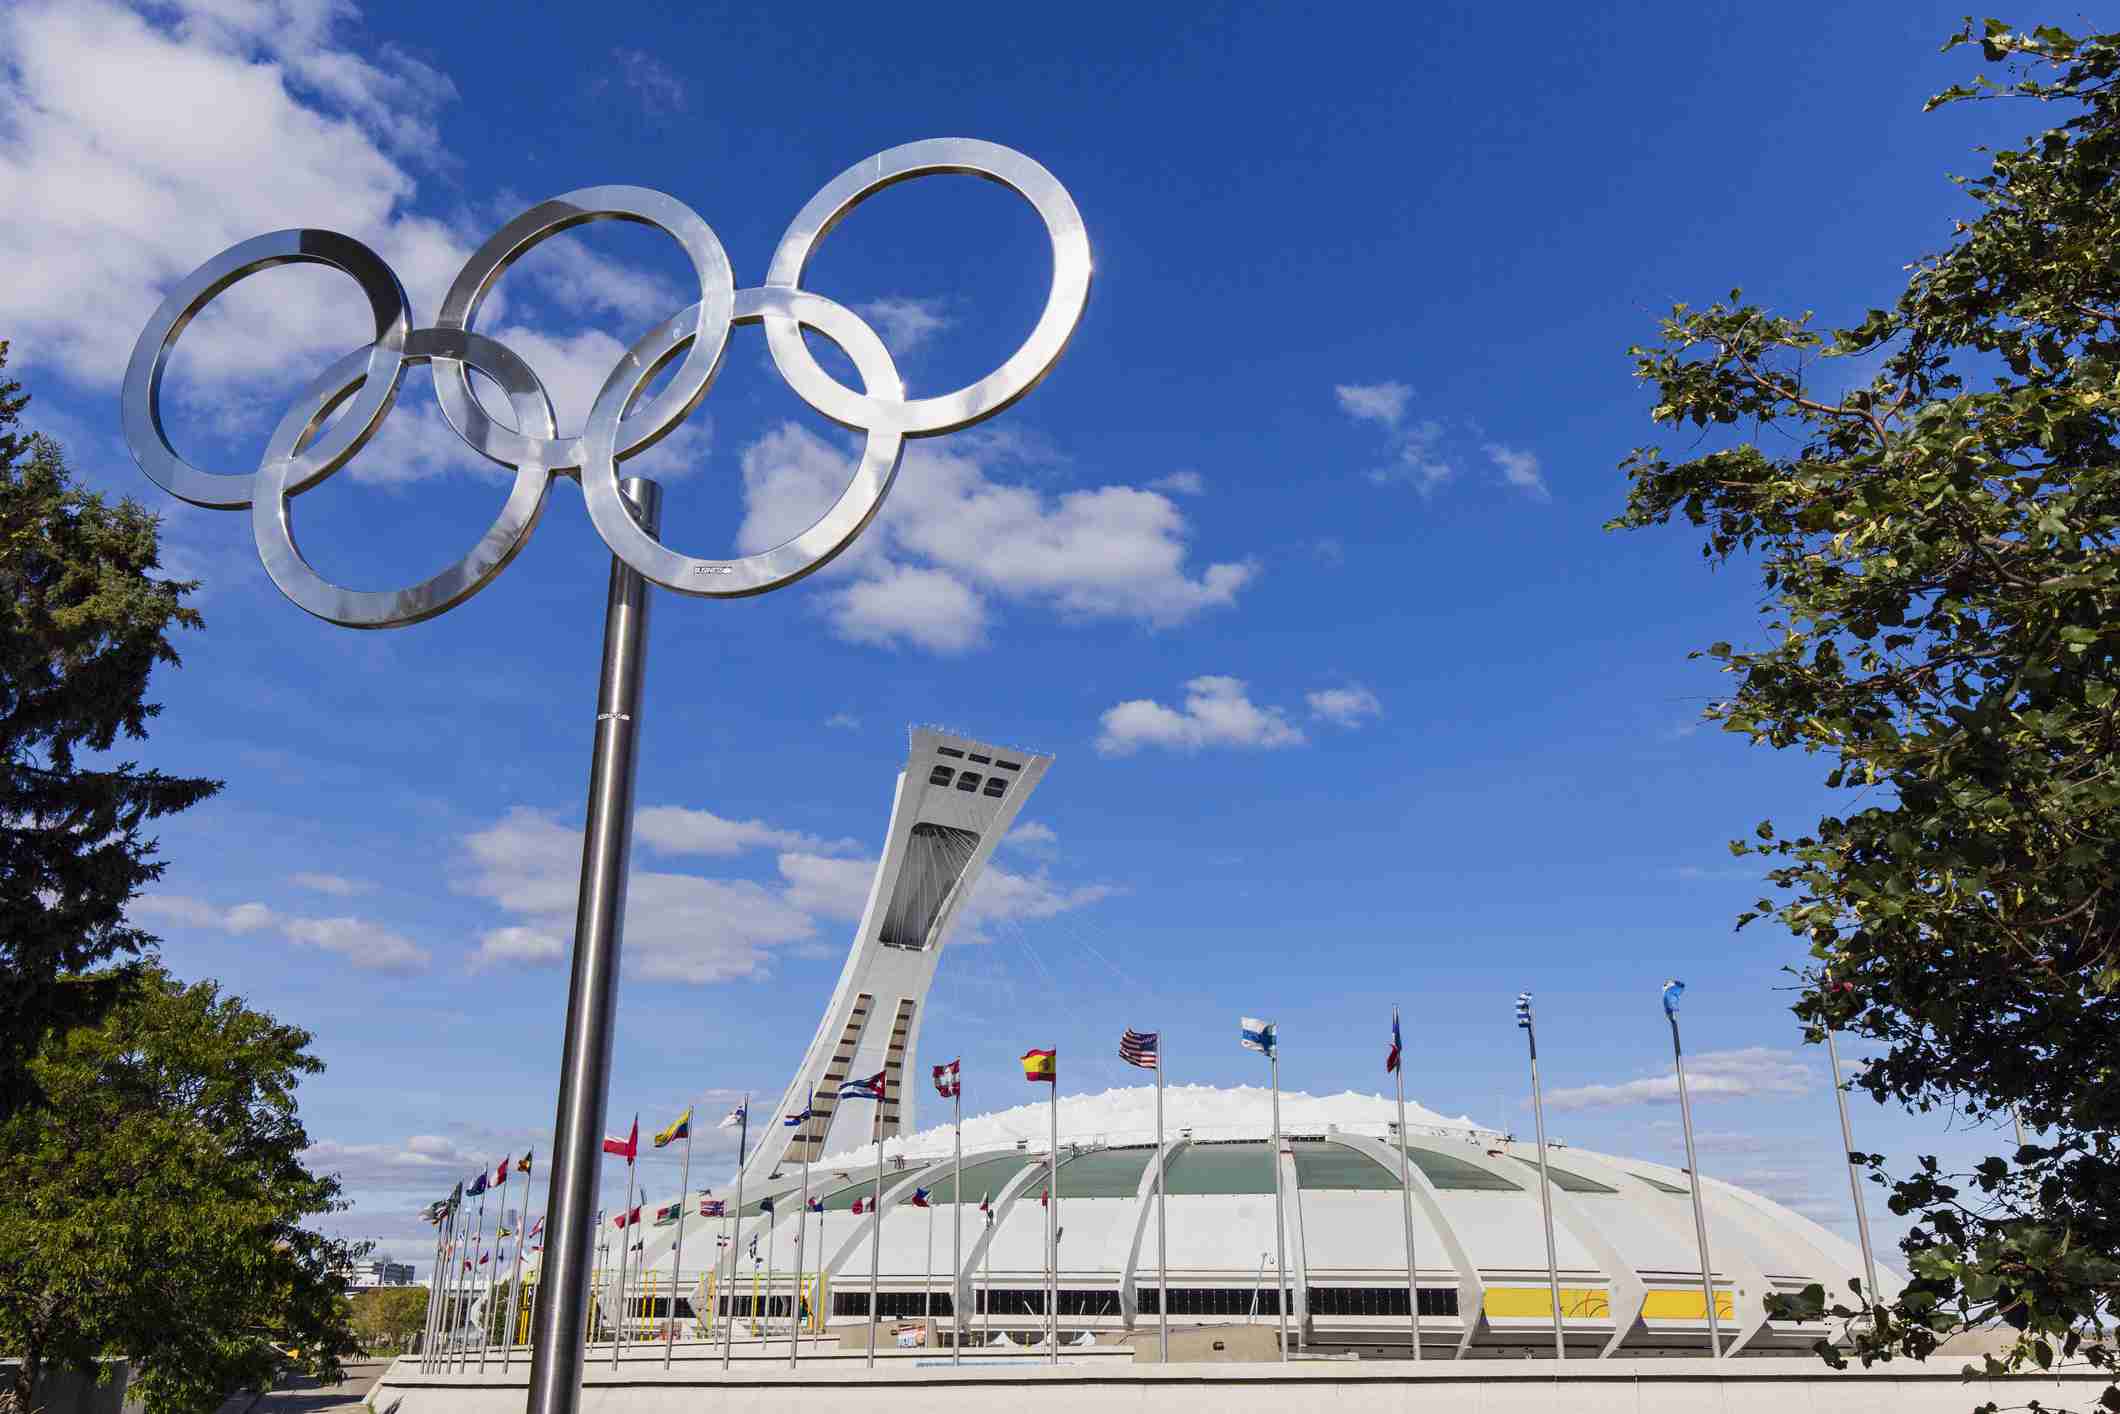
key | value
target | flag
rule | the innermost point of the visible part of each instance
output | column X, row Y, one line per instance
column 713, row 1208
column 627, row 1147
column 857, row 1209
column 796, row 1121
column 1041, row 1067
column 536, row 1228
column 816, row 1205
column 986, row 1202
column 754, row 1246
column 522, row 1165
column 736, row 1116
column 1673, row 990
column 1138, row 1048
column 870, row 1088
column 639, row 1242
column 765, row 1205
column 1257, row 1035
column 622, row 1219
column 1523, row 1010
column 948, row 1082
column 478, row 1185
column 456, row 1197
column 1391, row 1061
column 668, row 1213
column 679, row 1128
column 502, row 1231
column 500, row 1172
column 920, row 1197
column 1045, row 1196
column 436, row 1211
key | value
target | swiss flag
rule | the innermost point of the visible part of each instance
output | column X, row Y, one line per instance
column 627, row 1147
column 857, row 1207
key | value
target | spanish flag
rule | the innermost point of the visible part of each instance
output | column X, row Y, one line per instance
column 680, row 1128
column 1040, row 1067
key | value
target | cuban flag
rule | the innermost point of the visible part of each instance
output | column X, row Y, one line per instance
column 1673, row 990
column 1258, row 1035
column 796, row 1121
column 870, row 1088
column 713, row 1208
column 1391, row 1060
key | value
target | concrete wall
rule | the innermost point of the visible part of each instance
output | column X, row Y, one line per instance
column 1342, row 1387
column 70, row 1392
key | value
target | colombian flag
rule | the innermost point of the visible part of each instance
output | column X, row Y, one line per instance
column 680, row 1128
column 1040, row 1067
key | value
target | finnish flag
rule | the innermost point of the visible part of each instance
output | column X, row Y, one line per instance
column 1258, row 1035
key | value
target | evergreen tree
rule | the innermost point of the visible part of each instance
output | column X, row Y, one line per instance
column 84, row 620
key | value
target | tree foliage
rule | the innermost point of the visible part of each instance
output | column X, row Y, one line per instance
column 84, row 620
column 1937, row 546
column 155, row 1208
column 389, row 1318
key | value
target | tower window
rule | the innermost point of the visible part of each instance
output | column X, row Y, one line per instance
column 968, row 781
column 995, row 786
column 940, row 776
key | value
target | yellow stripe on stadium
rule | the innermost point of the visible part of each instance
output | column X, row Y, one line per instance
column 1587, row 1303
column 1687, row 1305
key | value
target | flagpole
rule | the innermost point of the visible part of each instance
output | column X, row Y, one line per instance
column 1847, row 1144
column 677, row 1262
column 802, row 1228
column 876, row 1220
column 1413, row 1288
column 485, row 1319
column 515, row 1285
column 448, row 1280
column 1545, row 1190
column 1052, row 1217
column 765, row 1330
column 986, row 1295
column 625, row 1246
column 743, row 1142
column 445, row 1251
column 478, row 1244
column 1280, row 1218
column 957, row 1222
column 927, row 1280
column 1162, row 1224
column 1700, row 1221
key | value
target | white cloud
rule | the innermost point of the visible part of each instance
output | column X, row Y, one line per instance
column 1031, row 833
column 843, row 721
column 905, row 323
column 1520, row 469
column 422, row 1159
column 1344, row 706
column 834, row 888
column 1181, row 483
column 1374, row 402
column 1218, row 711
column 366, row 944
column 1754, row 1070
column 675, row 829
column 952, row 537
column 336, row 885
column 1418, row 460
column 517, row 946
column 648, row 79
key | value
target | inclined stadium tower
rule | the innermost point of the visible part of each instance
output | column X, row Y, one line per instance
column 1629, row 1268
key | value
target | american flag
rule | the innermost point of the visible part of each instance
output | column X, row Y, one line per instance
column 948, row 1083
column 1138, row 1048
column 713, row 1208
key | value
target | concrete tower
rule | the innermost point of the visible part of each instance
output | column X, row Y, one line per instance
column 956, row 798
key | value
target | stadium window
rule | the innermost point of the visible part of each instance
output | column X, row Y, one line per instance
column 940, row 776
column 968, row 781
column 1380, row 1301
column 1012, row 1301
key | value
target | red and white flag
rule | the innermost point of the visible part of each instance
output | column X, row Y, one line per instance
column 948, row 1083
column 627, row 1147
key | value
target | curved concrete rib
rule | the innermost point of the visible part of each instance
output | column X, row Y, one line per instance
column 1144, row 1195
column 1472, row 1291
column 1733, row 1257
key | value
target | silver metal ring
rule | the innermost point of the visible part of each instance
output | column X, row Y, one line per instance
column 272, row 525
column 924, row 417
column 769, row 569
column 709, row 329
column 381, row 362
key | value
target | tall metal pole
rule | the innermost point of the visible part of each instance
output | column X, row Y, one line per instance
column 765, row 1329
column 927, row 1280
column 1545, row 1195
column 1162, row 1225
column 444, row 1253
column 515, row 1283
column 986, row 1295
column 957, row 1221
column 557, row 1355
column 493, row 1267
column 478, row 1249
column 1280, row 1218
column 628, row 1220
column 1413, row 1285
column 743, row 1143
column 1052, row 1220
column 1700, row 1220
column 443, row 1351
column 876, row 1228
column 677, row 1262
column 802, row 1227
column 1847, row 1144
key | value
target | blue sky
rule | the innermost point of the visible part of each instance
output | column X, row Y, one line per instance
column 1295, row 562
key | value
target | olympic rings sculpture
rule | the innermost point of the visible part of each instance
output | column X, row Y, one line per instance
column 306, row 446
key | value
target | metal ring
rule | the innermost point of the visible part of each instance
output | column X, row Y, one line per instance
column 769, row 569
column 381, row 362
column 709, row 329
column 1023, row 369
column 273, row 528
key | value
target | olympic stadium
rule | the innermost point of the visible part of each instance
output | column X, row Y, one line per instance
column 1627, row 1258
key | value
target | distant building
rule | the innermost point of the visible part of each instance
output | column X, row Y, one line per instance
column 360, row 1276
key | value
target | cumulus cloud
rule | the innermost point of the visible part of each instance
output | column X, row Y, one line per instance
column 1181, row 483
column 366, row 944
column 419, row 1160
column 1752, row 1071
column 1029, row 834
column 1519, row 469
column 1218, row 711
column 904, row 323
column 674, row 829
column 336, row 885
column 1348, row 706
column 517, row 946
column 1418, row 460
column 1374, row 402
column 954, row 537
